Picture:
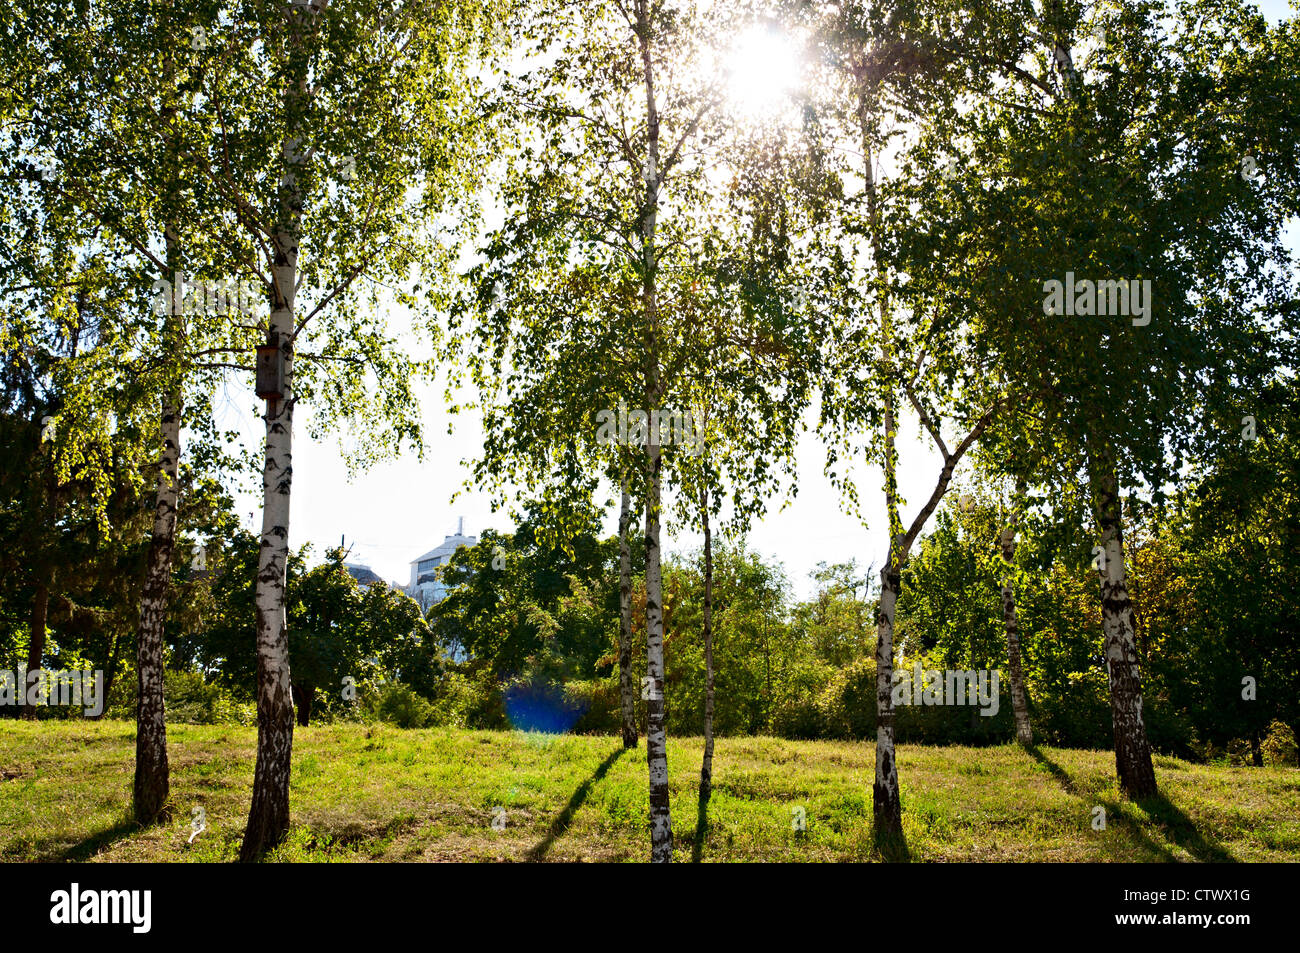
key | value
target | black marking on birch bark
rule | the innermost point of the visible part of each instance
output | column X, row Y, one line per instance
column 1133, row 764
column 626, row 690
column 151, row 782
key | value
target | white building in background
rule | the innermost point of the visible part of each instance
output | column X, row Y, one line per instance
column 364, row 575
column 426, row 585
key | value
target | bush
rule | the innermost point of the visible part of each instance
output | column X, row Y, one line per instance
column 1280, row 746
column 848, row 703
column 1168, row 731
column 469, row 700
column 1073, row 712
column 847, row 710
column 795, row 709
column 600, row 703
column 798, row 716
column 398, row 704
column 189, row 698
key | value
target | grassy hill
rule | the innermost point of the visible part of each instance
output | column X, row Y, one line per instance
column 378, row 793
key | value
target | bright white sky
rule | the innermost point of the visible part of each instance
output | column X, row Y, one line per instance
column 396, row 511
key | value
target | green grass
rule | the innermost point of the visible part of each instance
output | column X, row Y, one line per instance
column 378, row 793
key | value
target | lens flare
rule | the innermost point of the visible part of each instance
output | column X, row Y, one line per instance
column 763, row 68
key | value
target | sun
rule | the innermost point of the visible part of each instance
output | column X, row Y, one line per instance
column 763, row 69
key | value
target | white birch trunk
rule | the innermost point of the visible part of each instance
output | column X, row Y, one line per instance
column 706, row 767
column 626, row 685
column 661, row 827
column 886, row 803
column 1132, row 750
column 152, row 783
column 268, row 816
column 1019, row 699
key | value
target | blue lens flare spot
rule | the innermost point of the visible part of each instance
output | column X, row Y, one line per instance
column 541, row 706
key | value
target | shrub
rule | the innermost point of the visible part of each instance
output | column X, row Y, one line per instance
column 848, row 703
column 398, row 704
column 468, row 700
column 795, row 710
column 189, row 698
column 600, row 704
column 1280, row 745
column 799, row 716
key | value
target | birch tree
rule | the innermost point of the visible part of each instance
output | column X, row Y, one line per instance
column 885, row 67
column 1175, row 318
column 132, row 141
column 599, row 188
column 626, row 686
column 1010, row 624
column 334, row 129
column 747, row 454
column 588, row 300
column 752, row 384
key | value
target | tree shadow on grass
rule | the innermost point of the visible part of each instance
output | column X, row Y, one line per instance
column 1180, row 829
column 891, row 845
column 1133, row 832
column 93, row 844
column 1057, row 771
column 565, row 817
column 701, row 830
column 1176, row 825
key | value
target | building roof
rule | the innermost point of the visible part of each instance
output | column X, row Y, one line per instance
column 362, row 574
column 449, row 546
